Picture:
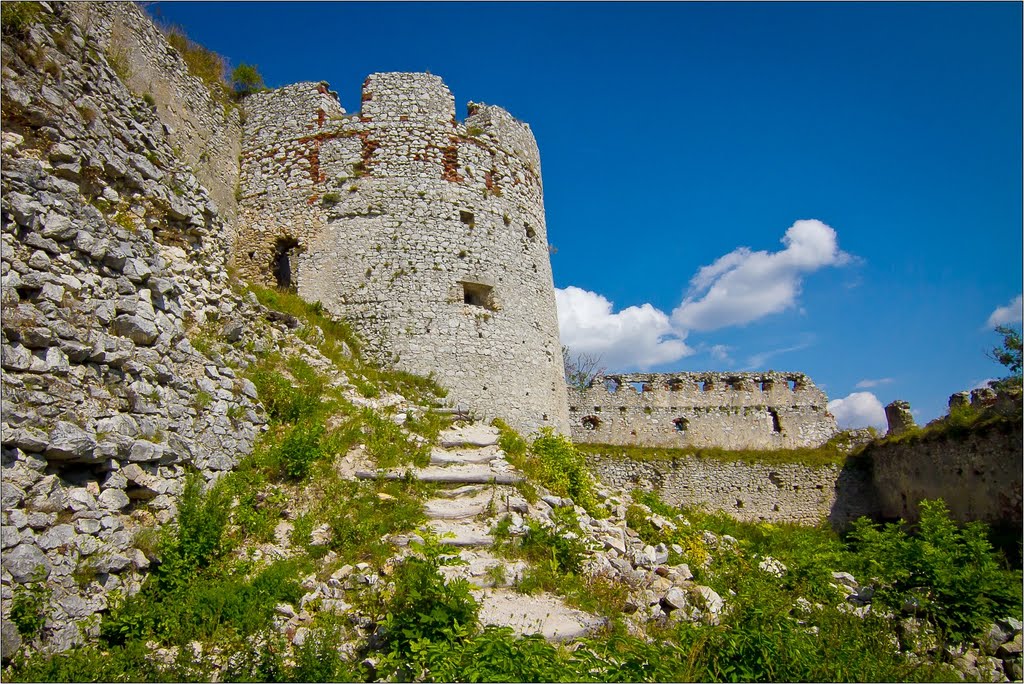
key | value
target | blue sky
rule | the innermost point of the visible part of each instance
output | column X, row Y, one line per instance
column 682, row 142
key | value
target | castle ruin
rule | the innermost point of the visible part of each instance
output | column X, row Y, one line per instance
column 425, row 232
column 729, row 410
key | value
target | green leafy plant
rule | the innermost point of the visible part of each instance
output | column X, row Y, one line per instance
column 1008, row 353
column 17, row 17
column 950, row 574
column 28, row 607
column 562, row 468
column 246, row 79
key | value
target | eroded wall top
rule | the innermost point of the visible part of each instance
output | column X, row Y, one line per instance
column 768, row 410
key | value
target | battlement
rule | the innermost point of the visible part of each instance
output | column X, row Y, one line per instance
column 427, row 233
column 769, row 410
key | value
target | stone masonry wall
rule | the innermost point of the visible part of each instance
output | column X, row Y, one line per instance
column 204, row 133
column 111, row 250
column 977, row 474
column 729, row 410
column 750, row 491
column 427, row 233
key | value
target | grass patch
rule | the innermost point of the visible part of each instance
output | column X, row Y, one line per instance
column 829, row 454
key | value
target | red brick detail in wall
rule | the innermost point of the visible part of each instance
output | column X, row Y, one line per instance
column 321, row 117
column 451, row 163
column 322, row 89
column 369, row 146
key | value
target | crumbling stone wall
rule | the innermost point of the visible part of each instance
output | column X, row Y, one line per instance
column 751, row 491
column 204, row 132
column 976, row 472
column 426, row 232
column 111, row 250
column 729, row 410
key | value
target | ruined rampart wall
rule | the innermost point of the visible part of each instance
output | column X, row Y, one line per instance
column 204, row 132
column 427, row 233
column 977, row 474
column 729, row 410
column 751, row 491
column 112, row 251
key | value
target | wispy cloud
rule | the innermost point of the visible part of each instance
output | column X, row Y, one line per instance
column 757, row 361
column 857, row 410
column 737, row 288
column 720, row 352
column 868, row 384
column 744, row 285
column 1003, row 315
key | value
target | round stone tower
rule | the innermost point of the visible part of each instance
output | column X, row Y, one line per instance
column 425, row 232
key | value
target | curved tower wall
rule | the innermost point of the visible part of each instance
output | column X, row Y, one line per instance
column 426, row 232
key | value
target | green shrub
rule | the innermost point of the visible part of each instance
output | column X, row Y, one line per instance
column 299, row 449
column 17, row 17
column 198, row 538
column 425, row 607
column 952, row 575
column 563, row 470
column 246, row 79
column 284, row 401
column 28, row 607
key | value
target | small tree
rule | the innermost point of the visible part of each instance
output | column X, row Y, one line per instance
column 1008, row 354
column 580, row 368
column 246, row 79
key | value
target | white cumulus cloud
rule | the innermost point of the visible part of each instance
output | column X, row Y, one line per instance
column 1003, row 315
column 857, row 410
column 744, row 285
column 636, row 337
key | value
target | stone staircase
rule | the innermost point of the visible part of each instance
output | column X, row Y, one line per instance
column 475, row 490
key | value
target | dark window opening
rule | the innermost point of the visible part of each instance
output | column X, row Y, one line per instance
column 707, row 386
column 792, row 385
column 776, row 425
column 682, row 425
column 612, row 385
column 591, row 422
column 478, row 294
column 767, row 385
column 638, row 386
column 674, row 385
column 286, row 262
column 467, row 218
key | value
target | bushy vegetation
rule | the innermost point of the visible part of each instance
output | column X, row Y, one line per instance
column 17, row 17
column 946, row 574
column 554, row 462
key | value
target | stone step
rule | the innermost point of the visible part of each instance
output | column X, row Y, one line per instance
column 480, row 455
column 462, row 533
column 542, row 614
column 477, row 569
column 475, row 435
column 466, row 506
column 461, row 491
column 456, row 474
